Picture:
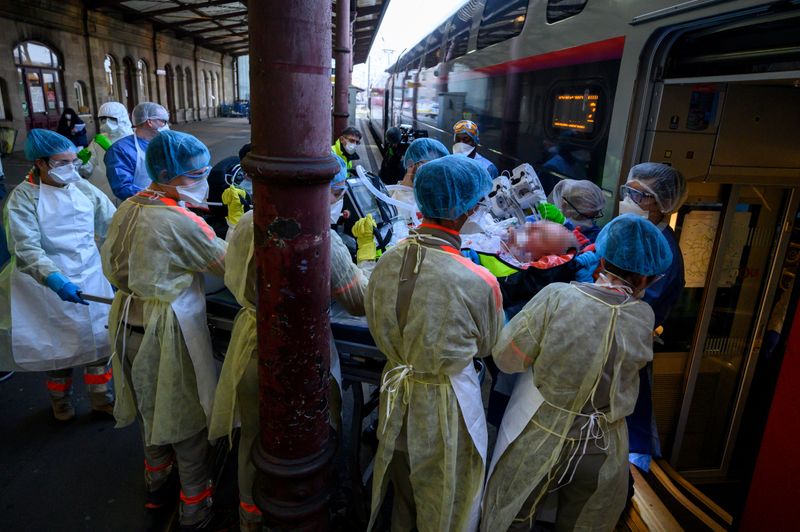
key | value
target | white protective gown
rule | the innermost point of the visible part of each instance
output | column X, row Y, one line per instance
column 53, row 229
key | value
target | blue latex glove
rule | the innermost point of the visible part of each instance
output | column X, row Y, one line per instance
column 471, row 255
column 66, row 290
column 588, row 262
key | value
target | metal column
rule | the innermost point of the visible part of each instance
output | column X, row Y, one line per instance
column 291, row 166
column 342, row 50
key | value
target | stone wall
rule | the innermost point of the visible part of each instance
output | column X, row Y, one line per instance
column 144, row 65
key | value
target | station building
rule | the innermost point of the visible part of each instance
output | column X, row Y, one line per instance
column 70, row 53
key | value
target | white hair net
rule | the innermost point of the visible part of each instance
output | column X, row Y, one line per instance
column 579, row 200
column 148, row 111
column 662, row 181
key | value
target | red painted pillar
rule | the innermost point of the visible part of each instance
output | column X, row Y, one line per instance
column 772, row 499
column 291, row 166
column 341, row 113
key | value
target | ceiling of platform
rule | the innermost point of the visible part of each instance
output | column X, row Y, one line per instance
column 221, row 25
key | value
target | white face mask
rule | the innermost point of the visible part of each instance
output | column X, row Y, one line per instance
column 163, row 128
column 195, row 194
column 474, row 222
column 68, row 117
column 247, row 185
column 462, row 148
column 336, row 210
column 64, row 175
column 628, row 206
column 350, row 148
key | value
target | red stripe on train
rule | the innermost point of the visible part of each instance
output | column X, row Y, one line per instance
column 585, row 53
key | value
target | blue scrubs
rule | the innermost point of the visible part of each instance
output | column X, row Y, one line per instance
column 642, row 433
column 486, row 163
column 120, row 162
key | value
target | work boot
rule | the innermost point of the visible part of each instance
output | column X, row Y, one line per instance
column 196, row 511
column 63, row 409
column 101, row 403
column 250, row 518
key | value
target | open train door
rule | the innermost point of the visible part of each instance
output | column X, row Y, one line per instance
column 717, row 97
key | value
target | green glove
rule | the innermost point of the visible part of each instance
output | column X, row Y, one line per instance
column 84, row 155
column 550, row 212
column 103, row 141
column 363, row 231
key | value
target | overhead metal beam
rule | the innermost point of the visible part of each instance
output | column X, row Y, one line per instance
column 206, row 18
column 219, row 28
column 227, row 36
column 182, row 7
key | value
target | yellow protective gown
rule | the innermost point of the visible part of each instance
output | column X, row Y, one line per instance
column 565, row 335
column 348, row 285
column 154, row 251
column 431, row 311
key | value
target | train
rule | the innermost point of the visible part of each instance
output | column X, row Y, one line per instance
column 585, row 90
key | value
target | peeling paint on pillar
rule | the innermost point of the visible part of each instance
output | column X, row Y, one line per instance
column 291, row 166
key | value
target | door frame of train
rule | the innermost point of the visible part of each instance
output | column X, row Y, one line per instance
column 641, row 103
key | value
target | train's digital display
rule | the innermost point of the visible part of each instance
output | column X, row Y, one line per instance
column 575, row 112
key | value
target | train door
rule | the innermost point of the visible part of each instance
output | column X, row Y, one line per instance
column 731, row 136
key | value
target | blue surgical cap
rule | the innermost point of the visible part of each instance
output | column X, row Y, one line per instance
column 448, row 187
column 173, row 153
column 424, row 150
column 43, row 143
column 342, row 175
column 634, row 244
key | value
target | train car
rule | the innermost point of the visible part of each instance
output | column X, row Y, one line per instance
column 586, row 89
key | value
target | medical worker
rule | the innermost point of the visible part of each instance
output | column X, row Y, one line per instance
column 465, row 137
column 431, row 312
column 52, row 220
column 347, row 144
column 419, row 152
column 582, row 202
column 564, row 430
column 114, row 125
column 237, row 392
column 125, row 160
column 654, row 191
column 155, row 254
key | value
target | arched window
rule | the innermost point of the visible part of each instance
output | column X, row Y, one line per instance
column 214, row 93
column 142, row 81
column 129, row 85
column 189, row 89
column 5, row 109
column 81, row 97
column 181, row 101
column 207, row 87
column 112, row 93
column 170, row 90
column 40, row 84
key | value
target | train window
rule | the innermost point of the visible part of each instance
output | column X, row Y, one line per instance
column 576, row 112
column 501, row 21
column 563, row 9
column 458, row 38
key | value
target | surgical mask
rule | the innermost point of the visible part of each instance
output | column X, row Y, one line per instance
column 336, row 210
column 64, row 175
column 163, row 128
column 462, row 148
column 247, row 185
column 628, row 206
column 474, row 222
column 196, row 193
column 350, row 148
column 68, row 117
column 604, row 278
column 109, row 127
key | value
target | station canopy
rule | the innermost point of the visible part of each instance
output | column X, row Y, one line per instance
column 221, row 25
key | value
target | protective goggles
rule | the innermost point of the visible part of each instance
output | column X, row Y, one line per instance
column 200, row 173
column 595, row 216
column 76, row 163
column 637, row 196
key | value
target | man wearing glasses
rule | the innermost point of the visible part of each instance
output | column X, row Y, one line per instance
column 124, row 160
column 345, row 146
